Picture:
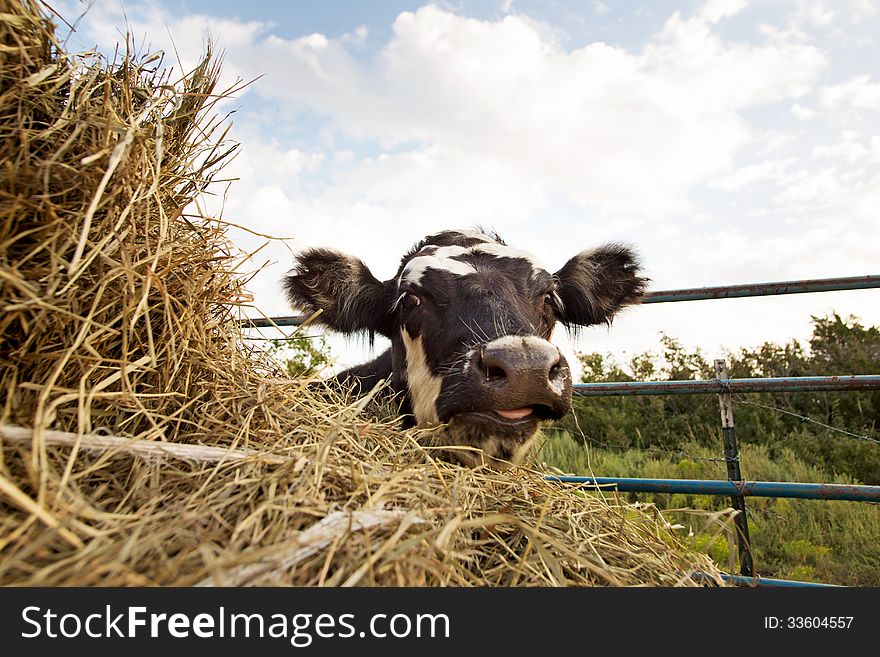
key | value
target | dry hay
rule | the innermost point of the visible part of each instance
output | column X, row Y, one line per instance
column 144, row 443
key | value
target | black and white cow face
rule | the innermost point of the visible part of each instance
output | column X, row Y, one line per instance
column 470, row 321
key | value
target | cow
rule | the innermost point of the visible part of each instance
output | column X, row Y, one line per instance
column 470, row 321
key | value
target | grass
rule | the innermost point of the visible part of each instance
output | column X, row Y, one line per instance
column 810, row 540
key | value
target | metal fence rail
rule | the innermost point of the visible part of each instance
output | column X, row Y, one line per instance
column 764, row 289
column 742, row 580
column 722, row 487
column 270, row 322
column 718, row 386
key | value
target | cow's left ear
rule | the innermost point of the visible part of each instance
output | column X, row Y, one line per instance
column 341, row 286
column 595, row 284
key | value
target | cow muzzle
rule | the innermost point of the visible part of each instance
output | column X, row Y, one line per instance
column 521, row 379
column 494, row 408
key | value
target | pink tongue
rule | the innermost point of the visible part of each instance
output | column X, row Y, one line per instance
column 515, row 413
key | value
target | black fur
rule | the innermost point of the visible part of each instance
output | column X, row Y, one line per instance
column 350, row 298
column 594, row 285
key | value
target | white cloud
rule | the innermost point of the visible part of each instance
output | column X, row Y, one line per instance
column 813, row 12
column 802, row 113
column 773, row 141
column 850, row 149
column 747, row 176
column 860, row 10
column 716, row 10
column 357, row 37
column 811, row 189
column 859, row 93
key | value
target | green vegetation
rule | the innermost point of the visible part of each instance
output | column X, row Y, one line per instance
column 811, row 540
column 679, row 436
column 301, row 355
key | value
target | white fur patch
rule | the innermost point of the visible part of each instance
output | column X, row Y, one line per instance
column 527, row 342
column 424, row 385
column 560, row 338
column 503, row 251
column 446, row 258
column 441, row 259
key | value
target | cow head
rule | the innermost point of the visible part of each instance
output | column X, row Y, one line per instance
column 470, row 321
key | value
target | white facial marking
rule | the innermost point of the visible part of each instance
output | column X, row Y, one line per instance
column 445, row 251
column 466, row 361
column 503, row 251
column 445, row 258
column 423, row 385
column 441, row 259
column 528, row 342
column 559, row 338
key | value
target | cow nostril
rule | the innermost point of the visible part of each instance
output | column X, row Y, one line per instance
column 495, row 373
column 555, row 371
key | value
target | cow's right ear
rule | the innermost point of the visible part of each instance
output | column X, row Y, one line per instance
column 341, row 286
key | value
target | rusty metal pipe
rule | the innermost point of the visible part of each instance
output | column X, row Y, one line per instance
column 806, row 491
column 718, row 386
column 763, row 289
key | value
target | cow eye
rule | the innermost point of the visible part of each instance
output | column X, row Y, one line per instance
column 548, row 298
column 410, row 301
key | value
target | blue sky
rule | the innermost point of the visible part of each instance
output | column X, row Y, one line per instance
column 729, row 141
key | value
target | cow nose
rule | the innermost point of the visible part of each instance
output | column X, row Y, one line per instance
column 510, row 362
column 522, row 371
